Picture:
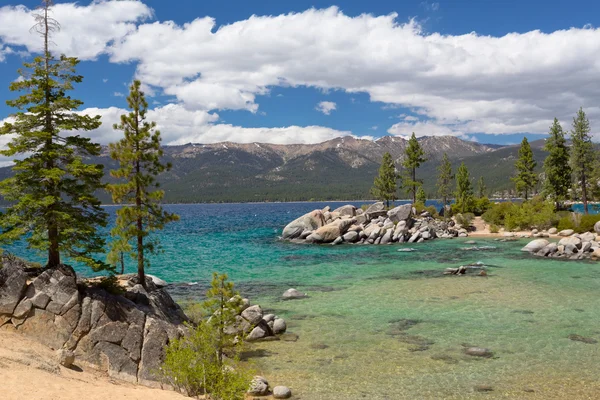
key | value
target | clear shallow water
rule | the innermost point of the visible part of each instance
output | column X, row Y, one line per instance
column 382, row 324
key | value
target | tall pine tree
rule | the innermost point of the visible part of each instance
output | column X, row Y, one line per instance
column 464, row 188
column 444, row 181
column 526, row 179
column 139, row 156
column 556, row 165
column 384, row 187
column 582, row 154
column 52, row 190
column 414, row 157
column 481, row 188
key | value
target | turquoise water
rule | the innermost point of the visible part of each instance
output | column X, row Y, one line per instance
column 383, row 324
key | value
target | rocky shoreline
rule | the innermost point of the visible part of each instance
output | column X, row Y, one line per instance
column 572, row 246
column 375, row 225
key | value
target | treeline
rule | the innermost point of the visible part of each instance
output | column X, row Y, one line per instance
column 569, row 173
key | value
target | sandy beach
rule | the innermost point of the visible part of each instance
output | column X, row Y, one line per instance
column 28, row 371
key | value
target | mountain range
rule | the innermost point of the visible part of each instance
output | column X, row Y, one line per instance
column 338, row 169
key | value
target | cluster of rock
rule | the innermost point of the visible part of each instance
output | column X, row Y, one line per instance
column 124, row 335
column 260, row 387
column 572, row 245
column 254, row 325
column 375, row 225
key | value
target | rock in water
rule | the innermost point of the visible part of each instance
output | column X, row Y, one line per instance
column 279, row 326
column 253, row 314
column 571, row 240
column 350, row 237
column 400, row 213
column 282, row 392
column 535, row 245
column 479, row 352
column 292, row 294
column 259, row 386
column 311, row 221
column 259, row 332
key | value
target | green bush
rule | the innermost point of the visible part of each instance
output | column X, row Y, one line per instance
column 536, row 213
column 465, row 219
column 587, row 222
column 494, row 228
column 192, row 366
column 566, row 223
column 420, row 207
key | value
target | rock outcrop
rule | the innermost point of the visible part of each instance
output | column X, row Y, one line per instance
column 573, row 246
column 123, row 334
column 375, row 225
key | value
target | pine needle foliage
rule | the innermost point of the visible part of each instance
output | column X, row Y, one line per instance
column 52, row 190
column 556, row 165
column 385, row 187
column 444, row 181
column 582, row 154
column 464, row 189
column 526, row 178
column 415, row 156
column 139, row 156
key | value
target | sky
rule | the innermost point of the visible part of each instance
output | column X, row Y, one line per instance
column 308, row 71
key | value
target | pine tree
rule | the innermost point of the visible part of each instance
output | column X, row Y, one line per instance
column 481, row 188
column 384, row 187
column 421, row 196
column 582, row 154
column 223, row 304
column 139, row 156
column 464, row 188
column 526, row 179
column 556, row 165
column 415, row 156
column 444, row 181
column 52, row 189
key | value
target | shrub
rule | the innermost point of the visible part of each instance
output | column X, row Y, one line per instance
column 566, row 223
column 465, row 219
column 420, row 207
column 110, row 284
column 192, row 366
column 494, row 228
column 587, row 222
column 536, row 213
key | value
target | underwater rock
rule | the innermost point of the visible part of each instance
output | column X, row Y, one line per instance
column 579, row 338
column 479, row 352
column 282, row 392
column 292, row 294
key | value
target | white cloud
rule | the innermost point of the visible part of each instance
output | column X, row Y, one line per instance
column 374, row 127
column 179, row 126
column 326, row 107
column 85, row 31
column 118, row 94
column 105, row 80
column 505, row 84
column 459, row 84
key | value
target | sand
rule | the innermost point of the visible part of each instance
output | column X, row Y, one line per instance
column 28, row 371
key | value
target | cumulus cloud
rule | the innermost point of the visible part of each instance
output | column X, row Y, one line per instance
column 179, row 125
column 326, row 107
column 85, row 32
column 458, row 84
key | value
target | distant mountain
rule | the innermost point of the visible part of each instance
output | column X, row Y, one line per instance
column 342, row 168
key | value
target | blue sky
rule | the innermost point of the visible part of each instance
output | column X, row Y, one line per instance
column 305, row 71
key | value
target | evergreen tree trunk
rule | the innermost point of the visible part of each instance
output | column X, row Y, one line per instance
column 584, row 194
column 414, row 191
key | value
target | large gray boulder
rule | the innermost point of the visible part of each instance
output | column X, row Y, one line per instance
column 310, row 221
column 587, row 237
column 282, row 392
column 347, row 210
column 259, row 386
column 335, row 229
column 571, row 240
column 13, row 282
column 350, row 237
column 125, row 335
column 376, row 207
column 535, row 245
column 597, row 227
column 253, row 314
column 566, row 232
column 400, row 213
